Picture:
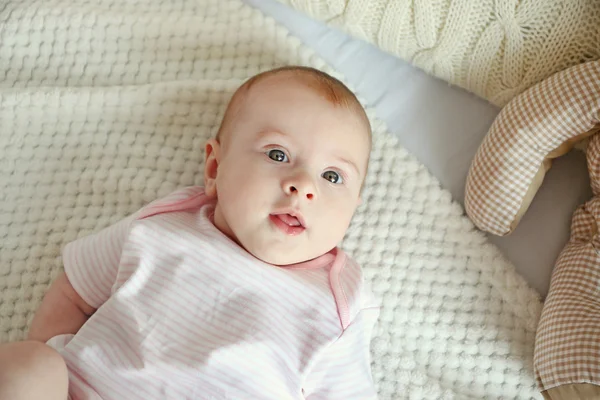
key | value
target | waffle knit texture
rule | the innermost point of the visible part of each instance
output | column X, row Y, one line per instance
column 105, row 106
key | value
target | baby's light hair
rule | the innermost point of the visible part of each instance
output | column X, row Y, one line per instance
column 331, row 88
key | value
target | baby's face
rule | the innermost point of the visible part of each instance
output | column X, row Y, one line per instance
column 289, row 172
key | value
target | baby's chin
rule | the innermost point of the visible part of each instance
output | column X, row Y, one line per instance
column 281, row 258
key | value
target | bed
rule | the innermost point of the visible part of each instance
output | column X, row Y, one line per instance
column 104, row 107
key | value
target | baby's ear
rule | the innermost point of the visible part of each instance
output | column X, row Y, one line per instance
column 211, row 165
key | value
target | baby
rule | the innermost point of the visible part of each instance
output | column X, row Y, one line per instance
column 234, row 290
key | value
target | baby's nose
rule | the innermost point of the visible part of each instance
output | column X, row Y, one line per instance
column 308, row 193
column 300, row 185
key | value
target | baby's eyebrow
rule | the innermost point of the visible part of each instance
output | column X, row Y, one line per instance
column 272, row 132
column 349, row 163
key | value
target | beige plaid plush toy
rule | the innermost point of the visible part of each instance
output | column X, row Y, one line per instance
column 537, row 126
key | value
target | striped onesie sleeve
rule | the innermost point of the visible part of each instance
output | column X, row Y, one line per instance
column 92, row 263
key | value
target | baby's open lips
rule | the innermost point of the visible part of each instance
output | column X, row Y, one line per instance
column 290, row 222
column 289, row 219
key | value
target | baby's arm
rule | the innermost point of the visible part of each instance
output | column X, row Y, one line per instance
column 93, row 263
column 62, row 311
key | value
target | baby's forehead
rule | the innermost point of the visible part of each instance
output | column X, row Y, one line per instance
column 333, row 91
column 252, row 92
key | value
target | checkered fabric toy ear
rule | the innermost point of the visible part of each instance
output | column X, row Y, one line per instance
column 568, row 335
column 537, row 126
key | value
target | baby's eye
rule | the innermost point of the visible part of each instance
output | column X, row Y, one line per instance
column 332, row 177
column 277, row 155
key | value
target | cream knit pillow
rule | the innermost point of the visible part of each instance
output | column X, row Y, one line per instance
column 494, row 48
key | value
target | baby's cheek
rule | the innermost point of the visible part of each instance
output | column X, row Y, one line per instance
column 241, row 185
column 336, row 223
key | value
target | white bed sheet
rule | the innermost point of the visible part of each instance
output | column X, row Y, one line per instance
column 443, row 126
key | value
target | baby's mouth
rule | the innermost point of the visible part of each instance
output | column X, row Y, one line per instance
column 289, row 219
column 287, row 223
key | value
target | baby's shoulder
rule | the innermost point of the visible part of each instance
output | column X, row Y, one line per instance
column 185, row 199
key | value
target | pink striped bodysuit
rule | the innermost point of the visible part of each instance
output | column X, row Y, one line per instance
column 183, row 312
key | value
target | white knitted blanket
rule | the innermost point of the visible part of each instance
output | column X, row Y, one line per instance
column 104, row 106
column 494, row 48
